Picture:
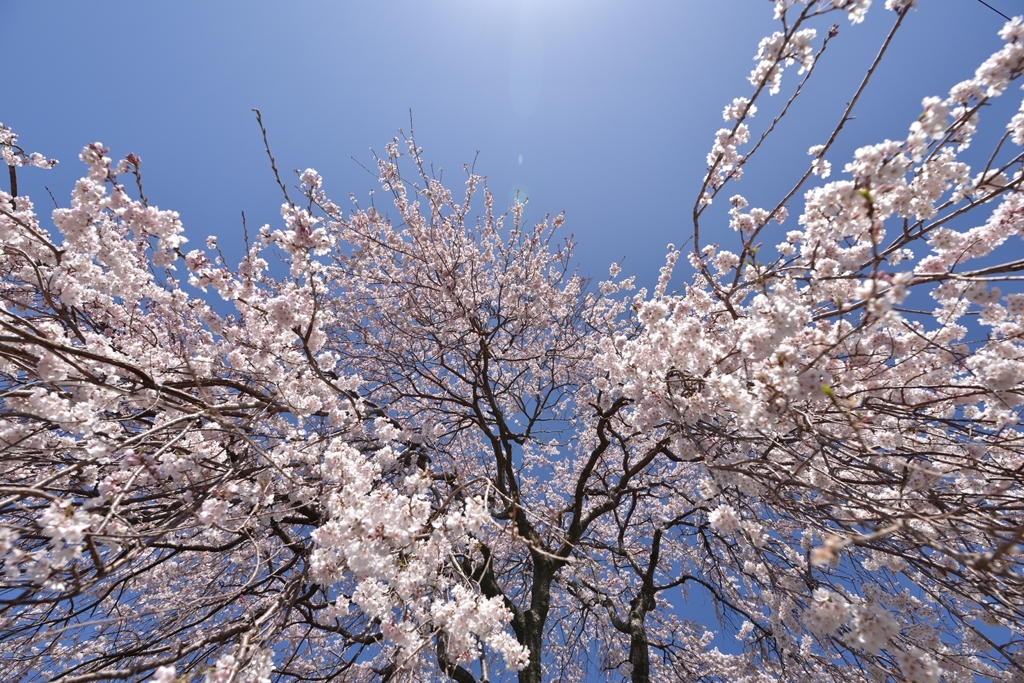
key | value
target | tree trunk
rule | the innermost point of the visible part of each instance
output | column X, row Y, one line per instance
column 639, row 656
column 532, row 635
column 639, row 652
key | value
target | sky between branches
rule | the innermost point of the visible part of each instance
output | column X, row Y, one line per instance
column 602, row 109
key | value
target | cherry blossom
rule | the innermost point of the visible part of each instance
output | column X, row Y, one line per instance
column 409, row 442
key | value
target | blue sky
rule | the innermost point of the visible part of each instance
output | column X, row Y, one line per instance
column 611, row 105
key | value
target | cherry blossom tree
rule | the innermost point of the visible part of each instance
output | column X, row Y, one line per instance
column 413, row 444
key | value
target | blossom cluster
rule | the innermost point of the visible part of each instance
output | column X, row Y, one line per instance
column 859, row 381
column 142, row 428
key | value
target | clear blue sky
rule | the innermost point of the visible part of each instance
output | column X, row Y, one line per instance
column 612, row 105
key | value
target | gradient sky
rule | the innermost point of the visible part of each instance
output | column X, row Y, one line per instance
column 604, row 110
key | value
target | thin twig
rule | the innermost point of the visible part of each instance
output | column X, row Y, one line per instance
column 273, row 164
column 994, row 10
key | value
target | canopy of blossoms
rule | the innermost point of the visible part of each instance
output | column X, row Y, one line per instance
column 412, row 444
